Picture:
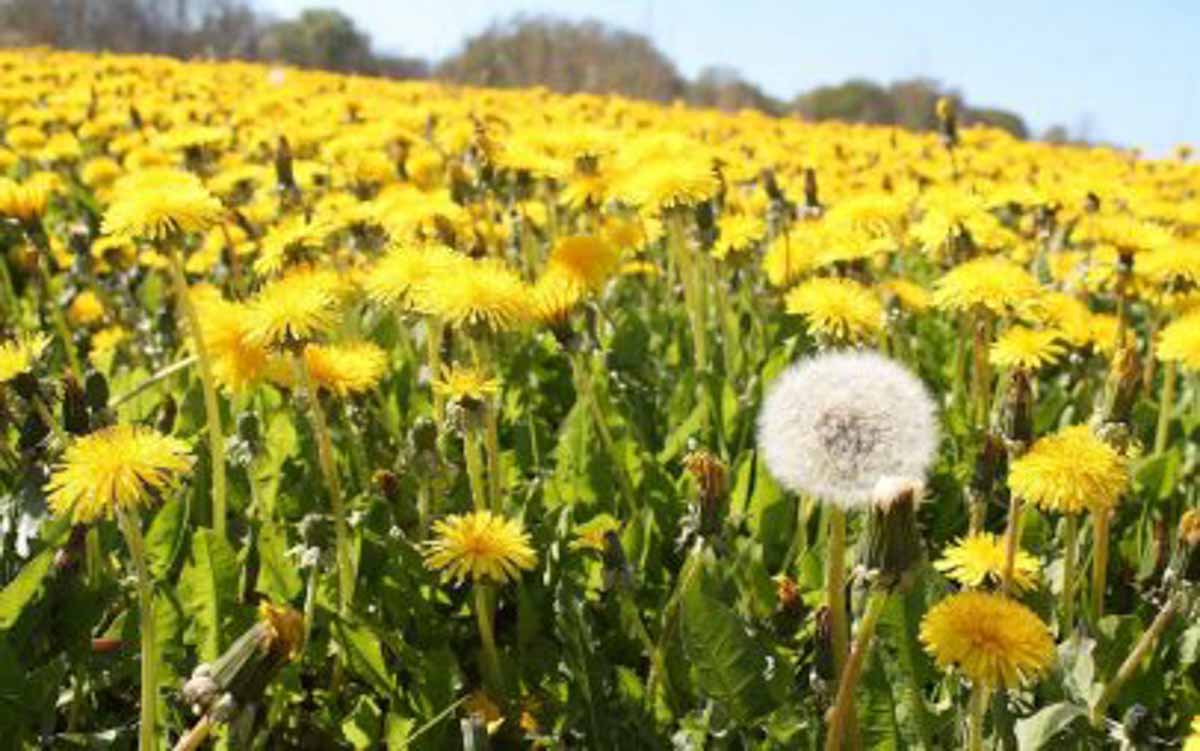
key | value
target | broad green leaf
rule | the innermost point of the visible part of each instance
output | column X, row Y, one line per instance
column 364, row 655
column 364, row 725
column 278, row 577
column 23, row 588
column 398, row 730
column 1038, row 731
column 207, row 589
column 729, row 664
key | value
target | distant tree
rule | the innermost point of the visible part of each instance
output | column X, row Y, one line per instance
column 567, row 57
column 997, row 118
column 318, row 39
column 726, row 89
column 856, row 101
column 1056, row 134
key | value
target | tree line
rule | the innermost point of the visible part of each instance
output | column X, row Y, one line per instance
column 566, row 56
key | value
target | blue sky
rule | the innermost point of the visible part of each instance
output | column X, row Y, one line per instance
column 1127, row 72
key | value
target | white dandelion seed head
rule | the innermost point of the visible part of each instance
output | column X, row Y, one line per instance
column 835, row 425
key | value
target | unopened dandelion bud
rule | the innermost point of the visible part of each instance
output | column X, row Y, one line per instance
column 823, row 645
column 74, row 407
column 709, row 473
column 95, row 391
column 617, row 571
column 387, row 483
column 947, row 115
column 892, row 546
column 285, row 178
column 812, row 200
column 1019, row 409
column 168, row 410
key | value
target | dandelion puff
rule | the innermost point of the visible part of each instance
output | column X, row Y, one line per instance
column 836, row 424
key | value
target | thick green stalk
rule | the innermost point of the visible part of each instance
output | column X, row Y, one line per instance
column 1133, row 660
column 1011, row 540
column 474, row 459
column 976, row 716
column 212, row 407
column 325, row 457
column 689, row 275
column 835, row 587
column 1100, row 523
column 487, row 636
column 1165, row 407
column 585, row 391
column 843, row 707
column 1070, row 558
column 434, row 330
column 148, row 730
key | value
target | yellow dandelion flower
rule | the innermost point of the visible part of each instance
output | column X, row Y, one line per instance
column 993, row 641
column 296, row 307
column 23, row 202
column 736, row 233
column 100, row 172
column 18, row 356
column 989, row 282
column 482, row 293
column 157, row 203
column 670, row 183
column 1026, row 349
column 591, row 534
column 25, row 138
column 979, row 558
column 289, row 239
column 119, row 468
column 1062, row 312
column 911, row 296
column 480, row 545
column 586, row 260
column 1193, row 741
column 86, row 309
column 237, row 362
column 460, row 384
column 840, row 309
column 104, row 345
column 1069, row 472
column 391, row 280
column 347, row 368
column 1179, row 342
column 639, row 268
column 283, row 629
column 555, row 296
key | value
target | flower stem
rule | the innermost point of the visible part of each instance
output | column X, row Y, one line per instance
column 148, row 732
column 975, row 717
column 1011, row 539
column 153, row 378
column 584, row 390
column 835, row 587
column 487, row 636
column 1133, row 660
column 434, row 331
column 1165, row 407
column 1070, row 556
column 843, row 707
column 60, row 320
column 212, row 408
column 329, row 470
column 1099, row 561
column 43, row 411
column 474, row 459
column 196, row 736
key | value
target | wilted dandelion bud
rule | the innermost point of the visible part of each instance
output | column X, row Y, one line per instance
column 709, row 472
column 892, row 546
column 1121, row 385
column 812, row 200
column 239, row 676
column 74, row 410
column 95, row 391
column 834, row 425
column 1189, row 545
column 387, row 483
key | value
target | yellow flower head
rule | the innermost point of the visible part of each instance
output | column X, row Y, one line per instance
column 123, row 467
column 839, row 309
column 466, row 384
column 979, row 558
column 1069, row 472
column 989, row 282
column 475, row 293
column 283, row 629
column 23, row 202
column 157, row 203
column 237, row 362
column 911, row 296
column 288, row 239
column 586, row 260
column 738, row 232
column 590, row 535
column 1026, row 349
column 85, row 309
column 346, row 369
column 18, row 356
column 104, row 345
column 1193, row 741
column 555, row 296
column 296, row 307
column 993, row 641
column 1179, row 342
column 669, row 183
column 405, row 267
column 480, row 545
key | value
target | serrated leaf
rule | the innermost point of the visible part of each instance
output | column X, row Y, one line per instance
column 165, row 537
column 24, row 587
column 1038, row 731
column 207, row 588
column 729, row 664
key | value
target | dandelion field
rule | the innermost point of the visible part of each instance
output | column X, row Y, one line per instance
column 348, row 413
